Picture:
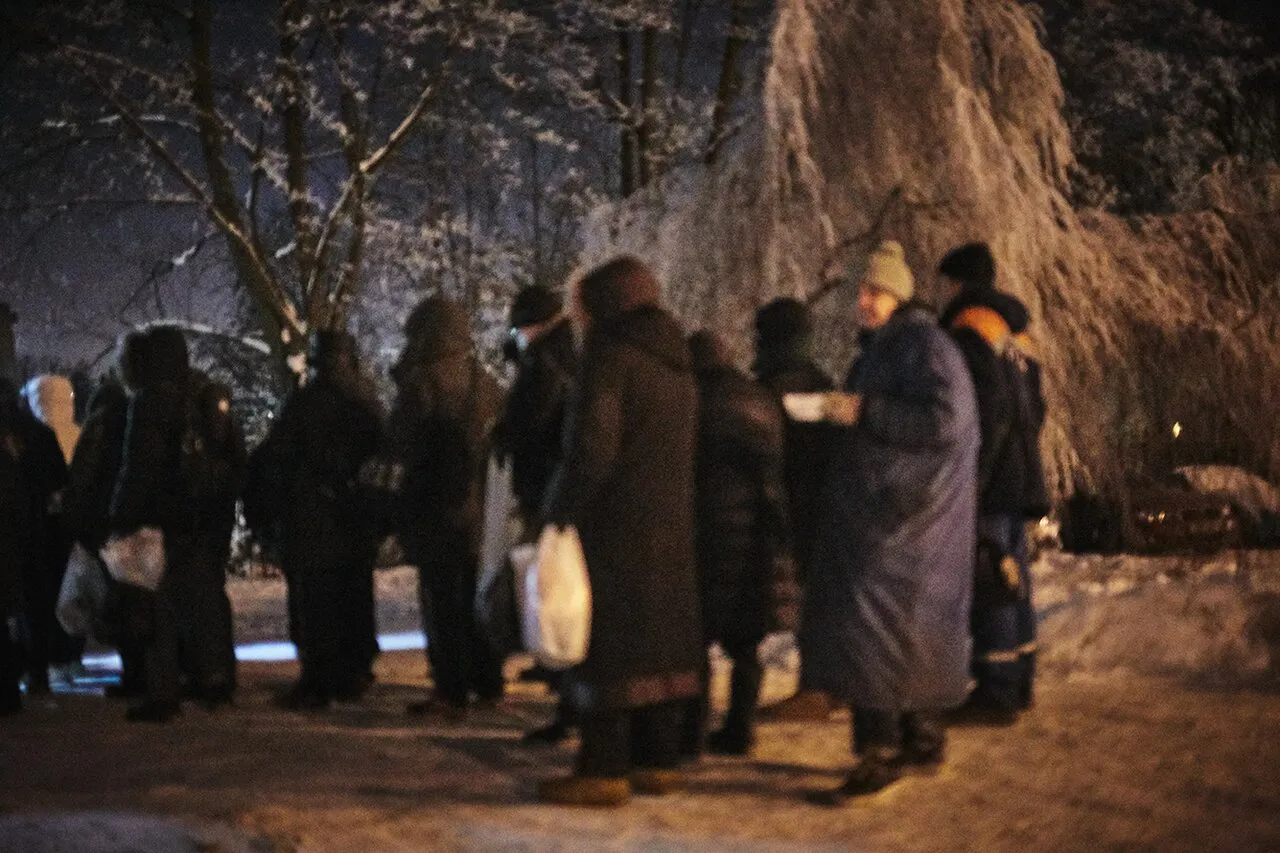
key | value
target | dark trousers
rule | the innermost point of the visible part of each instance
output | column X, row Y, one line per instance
column 191, row 621
column 744, row 693
column 332, row 625
column 1004, row 633
column 462, row 660
column 615, row 741
column 877, row 732
column 10, row 666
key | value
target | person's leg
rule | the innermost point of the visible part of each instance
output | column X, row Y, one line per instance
column 924, row 739
column 484, row 666
column 206, row 623
column 10, row 669
column 1026, row 617
column 604, row 757
column 994, row 624
column 876, row 741
column 163, row 695
column 737, row 734
column 439, row 593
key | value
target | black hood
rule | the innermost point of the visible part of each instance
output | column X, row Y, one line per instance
column 1008, row 306
column 654, row 331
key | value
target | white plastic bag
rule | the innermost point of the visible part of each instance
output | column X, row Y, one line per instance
column 557, row 611
column 136, row 559
column 83, row 597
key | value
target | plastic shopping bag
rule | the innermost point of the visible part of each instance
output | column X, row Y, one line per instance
column 82, row 601
column 557, row 613
column 136, row 559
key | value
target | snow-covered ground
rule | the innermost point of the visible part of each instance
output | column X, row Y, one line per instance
column 1155, row 728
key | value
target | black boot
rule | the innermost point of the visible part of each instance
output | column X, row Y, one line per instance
column 868, row 777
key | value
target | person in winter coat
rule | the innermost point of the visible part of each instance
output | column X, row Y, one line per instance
column 784, row 364
column 43, row 476
column 52, row 400
column 744, row 563
column 532, row 430
column 886, row 618
column 15, row 546
column 627, row 484
column 181, row 471
column 531, row 434
column 330, row 427
column 87, row 510
column 989, row 327
column 439, row 436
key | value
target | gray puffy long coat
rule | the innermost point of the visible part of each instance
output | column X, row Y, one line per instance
column 886, row 621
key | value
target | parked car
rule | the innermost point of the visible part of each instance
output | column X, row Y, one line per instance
column 1164, row 515
column 1168, row 516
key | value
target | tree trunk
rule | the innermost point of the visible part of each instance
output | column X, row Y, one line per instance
column 265, row 293
column 644, row 127
column 627, row 123
column 730, row 76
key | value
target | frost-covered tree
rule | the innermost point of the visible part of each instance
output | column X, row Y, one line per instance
column 1156, row 93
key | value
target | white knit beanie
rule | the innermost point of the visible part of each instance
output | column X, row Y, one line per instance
column 887, row 270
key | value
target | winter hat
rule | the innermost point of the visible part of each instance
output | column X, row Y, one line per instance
column 616, row 287
column 533, row 305
column 972, row 265
column 782, row 321
column 887, row 270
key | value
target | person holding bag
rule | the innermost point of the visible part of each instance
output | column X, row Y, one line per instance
column 626, row 484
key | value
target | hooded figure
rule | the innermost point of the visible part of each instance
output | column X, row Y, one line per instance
column 16, row 527
column 52, row 399
column 885, row 623
column 533, row 420
column 183, row 480
column 744, row 563
column 627, row 484
column 328, row 429
column 784, row 364
column 439, row 439
column 990, row 326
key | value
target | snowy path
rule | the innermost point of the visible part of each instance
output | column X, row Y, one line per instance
column 1107, row 761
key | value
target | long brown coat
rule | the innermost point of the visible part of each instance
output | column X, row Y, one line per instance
column 627, row 483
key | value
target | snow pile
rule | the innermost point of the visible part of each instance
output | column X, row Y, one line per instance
column 1206, row 619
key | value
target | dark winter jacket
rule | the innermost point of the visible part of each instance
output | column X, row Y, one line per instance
column 42, row 471
column 439, row 434
column 886, row 615
column 13, row 527
column 744, row 560
column 533, row 424
column 17, row 525
column 785, row 371
column 329, row 428
column 988, row 326
column 627, row 483
column 183, row 464
column 87, row 503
